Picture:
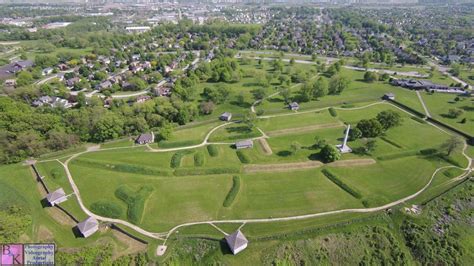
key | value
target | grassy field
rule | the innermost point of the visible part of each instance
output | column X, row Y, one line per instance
column 439, row 105
column 189, row 193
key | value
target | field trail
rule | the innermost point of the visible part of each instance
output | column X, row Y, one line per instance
column 281, row 167
column 266, row 148
column 288, row 131
column 352, row 162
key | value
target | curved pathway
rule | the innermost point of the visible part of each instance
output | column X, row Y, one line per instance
column 164, row 235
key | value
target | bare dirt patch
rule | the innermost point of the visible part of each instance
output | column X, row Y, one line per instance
column 133, row 246
column 302, row 129
column 283, row 167
column 44, row 234
column 265, row 147
column 353, row 162
column 60, row 216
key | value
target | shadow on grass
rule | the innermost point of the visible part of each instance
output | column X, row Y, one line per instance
column 315, row 157
column 239, row 104
column 76, row 232
column 239, row 129
column 224, row 247
column 284, row 153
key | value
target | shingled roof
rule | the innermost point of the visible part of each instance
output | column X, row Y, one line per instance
column 88, row 226
column 236, row 241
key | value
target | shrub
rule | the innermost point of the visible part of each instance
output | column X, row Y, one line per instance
column 198, row 159
column 329, row 153
column 134, row 200
column 341, row 184
column 56, row 173
column 107, row 209
column 242, row 156
column 333, row 112
column 176, row 159
column 234, row 190
column 213, row 150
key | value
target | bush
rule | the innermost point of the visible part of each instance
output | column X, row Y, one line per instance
column 242, row 156
column 107, row 209
column 333, row 112
column 134, row 200
column 56, row 173
column 229, row 199
column 341, row 184
column 329, row 154
column 176, row 159
column 213, row 150
column 198, row 159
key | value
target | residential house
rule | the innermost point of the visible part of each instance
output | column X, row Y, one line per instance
column 142, row 98
column 236, row 242
column 145, row 138
column 104, row 85
column 225, row 116
column 63, row 67
column 294, row 106
column 47, row 71
column 244, row 144
column 56, row 197
column 10, row 83
column 88, row 227
column 72, row 81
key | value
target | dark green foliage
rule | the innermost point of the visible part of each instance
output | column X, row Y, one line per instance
column 341, row 184
column 135, row 201
column 206, row 171
column 176, row 159
column 229, row 199
column 430, row 248
column 354, row 133
column 213, row 150
column 90, row 255
column 198, row 159
column 332, row 111
column 329, row 153
column 370, row 128
column 389, row 119
column 242, row 156
column 14, row 221
column 107, row 209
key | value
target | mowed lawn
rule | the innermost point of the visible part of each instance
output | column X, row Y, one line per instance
column 439, row 105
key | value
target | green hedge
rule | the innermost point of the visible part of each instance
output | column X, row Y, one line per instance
column 107, row 209
column 333, row 112
column 206, row 171
column 341, row 184
column 198, row 159
column 242, row 156
column 229, row 199
column 134, row 200
column 213, row 150
column 176, row 159
column 128, row 168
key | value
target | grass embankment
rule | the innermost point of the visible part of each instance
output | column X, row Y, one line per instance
column 229, row 199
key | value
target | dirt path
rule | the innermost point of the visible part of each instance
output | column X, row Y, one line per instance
column 352, row 162
column 423, row 104
column 265, row 147
column 281, row 167
column 288, row 131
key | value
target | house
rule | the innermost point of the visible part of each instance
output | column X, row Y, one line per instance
column 143, row 98
column 161, row 90
column 108, row 102
column 41, row 101
column 294, row 106
column 388, row 96
column 237, row 242
column 88, row 226
column 47, row 71
column 62, row 67
column 56, row 197
column 244, row 144
column 145, row 138
column 23, row 64
column 104, row 85
column 10, row 82
column 72, row 81
column 225, row 116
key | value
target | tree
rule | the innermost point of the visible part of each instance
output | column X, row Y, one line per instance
column 295, row 147
column 46, row 60
column 207, row 108
column 319, row 142
column 389, row 119
column 370, row 76
column 354, row 133
column 370, row 128
column 337, row 84
column 320, row 88
column 286, row 94
column 108, row 127
column 24, row 78
column 455, row 112
column 249, row 120
column 451, row 145
column 455, row 69
column 292, row 61
column 165, row 131
column 370, row 145
column 330, row 153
